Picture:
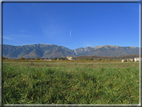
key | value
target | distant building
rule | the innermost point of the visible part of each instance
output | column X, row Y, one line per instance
column 137, row 59
column 69, row 57
column 46, row 59
column 130, row 60
column 124, row 60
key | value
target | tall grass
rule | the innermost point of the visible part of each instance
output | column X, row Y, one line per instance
column 70, row 83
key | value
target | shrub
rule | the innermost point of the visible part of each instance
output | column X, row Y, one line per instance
column 22, row 58
column 37, row 58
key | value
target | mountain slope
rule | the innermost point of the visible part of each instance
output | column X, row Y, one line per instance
column 107, row 50
column 50, row 51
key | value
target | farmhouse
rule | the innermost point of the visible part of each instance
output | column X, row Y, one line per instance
column 124, row 60
column 69, row 57
column 137, row 59
column 130, row 60
column 46, row 59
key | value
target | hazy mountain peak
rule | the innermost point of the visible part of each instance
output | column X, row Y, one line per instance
column 49, row 51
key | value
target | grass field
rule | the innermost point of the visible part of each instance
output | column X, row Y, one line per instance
column 70, row 82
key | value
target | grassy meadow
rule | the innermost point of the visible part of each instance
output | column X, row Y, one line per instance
column 70, row 82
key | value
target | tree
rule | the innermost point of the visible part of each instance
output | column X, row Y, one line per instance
column 37, row 58
column 22, row 58
column 3, row 58
column 89, row 58
column 54, row 58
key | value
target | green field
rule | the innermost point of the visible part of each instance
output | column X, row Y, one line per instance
column 70, row 82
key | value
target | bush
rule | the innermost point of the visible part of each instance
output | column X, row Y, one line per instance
column 3, row 58
column 22, row 58
column 37, row 58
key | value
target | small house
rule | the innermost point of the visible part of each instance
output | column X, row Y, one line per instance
column 124, row 60
column 69, row 57
column 137, row 59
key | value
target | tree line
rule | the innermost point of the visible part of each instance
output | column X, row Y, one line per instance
column 83, row 57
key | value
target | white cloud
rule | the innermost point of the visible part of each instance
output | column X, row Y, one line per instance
column 7, row 38
column 19, row 36
column 15, row 39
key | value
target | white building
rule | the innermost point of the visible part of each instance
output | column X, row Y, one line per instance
column 137, row 59
column 69, row 57
column 124, row 60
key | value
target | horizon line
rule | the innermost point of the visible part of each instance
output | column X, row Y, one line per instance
column 76, row 48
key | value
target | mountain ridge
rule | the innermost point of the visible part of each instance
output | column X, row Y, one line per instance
column 52, row 50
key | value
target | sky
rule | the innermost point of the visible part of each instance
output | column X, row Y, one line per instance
column 72, row 25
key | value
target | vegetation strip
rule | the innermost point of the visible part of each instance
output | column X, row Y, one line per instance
column 70, row 83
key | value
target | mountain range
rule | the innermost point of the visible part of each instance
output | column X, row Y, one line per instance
column 50, row 51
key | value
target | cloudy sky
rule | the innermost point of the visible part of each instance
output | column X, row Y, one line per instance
column 72, row 25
